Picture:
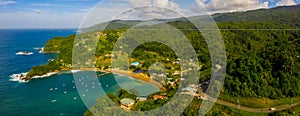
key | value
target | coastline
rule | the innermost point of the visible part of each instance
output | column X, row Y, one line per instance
column 139, row 76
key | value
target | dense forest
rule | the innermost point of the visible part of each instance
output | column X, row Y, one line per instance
column 263, row 51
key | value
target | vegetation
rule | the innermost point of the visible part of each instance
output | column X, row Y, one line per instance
column 262, row 63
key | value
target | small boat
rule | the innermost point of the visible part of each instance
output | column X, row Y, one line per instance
column 73, row 87
column 83, row 95
column 86, row 90
column 106, row 85
column 51, row 89
column 55, row 88
column 65, row 92
column 53, row 100
column 64, row 85
column 75, row 98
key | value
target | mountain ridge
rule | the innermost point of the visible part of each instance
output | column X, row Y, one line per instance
column 280, row 15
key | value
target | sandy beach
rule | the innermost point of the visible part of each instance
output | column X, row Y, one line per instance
column 139, row 76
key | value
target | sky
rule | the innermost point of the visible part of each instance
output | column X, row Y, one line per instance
column 72, row 13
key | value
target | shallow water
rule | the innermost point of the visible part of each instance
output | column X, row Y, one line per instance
column 48, row 96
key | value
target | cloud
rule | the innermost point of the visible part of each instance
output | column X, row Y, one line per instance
column 158, row 9
column 37, row 11
column 46, row 5
column 232, row 5
column 158, row 3
column 285, row 3
column 7, row 2
column 140, row 3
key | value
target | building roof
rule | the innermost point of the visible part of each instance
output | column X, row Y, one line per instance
column 127, row 101
column 158, row 96
column 142, row 98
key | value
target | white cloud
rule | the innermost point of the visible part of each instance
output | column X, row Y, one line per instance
column 232, row 5
column 37, row 11
column 285, row 3
column 160, row 9
column 7, row 2
column 158, row 3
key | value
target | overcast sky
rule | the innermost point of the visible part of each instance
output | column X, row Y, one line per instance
column 71, row 13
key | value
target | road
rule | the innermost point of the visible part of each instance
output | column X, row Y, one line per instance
column 256, row 110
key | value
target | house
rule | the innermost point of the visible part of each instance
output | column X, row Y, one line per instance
column 177, row 73
column 127, row 103
column 141, row 98
column 171, row 83
column 135, row 64
column 155, row 97
column 109, row 55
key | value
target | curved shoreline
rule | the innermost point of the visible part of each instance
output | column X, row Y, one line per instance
column 131, row 74
column 139, row 76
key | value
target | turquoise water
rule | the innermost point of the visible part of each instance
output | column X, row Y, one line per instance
column 49, row 96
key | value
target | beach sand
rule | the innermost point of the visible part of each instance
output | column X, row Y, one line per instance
column 139, row 76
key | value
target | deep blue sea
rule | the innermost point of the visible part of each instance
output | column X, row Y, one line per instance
column 55, row 95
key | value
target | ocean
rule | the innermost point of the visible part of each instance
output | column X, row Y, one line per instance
column 56, row 95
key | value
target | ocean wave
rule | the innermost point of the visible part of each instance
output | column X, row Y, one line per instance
column 75, row 71
column 21, row 77
column 24, row 53
column 18, row 77
column 40, row 49
column 46, row 75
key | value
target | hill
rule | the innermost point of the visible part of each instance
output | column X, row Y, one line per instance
column 261, row 63
column 287, row 15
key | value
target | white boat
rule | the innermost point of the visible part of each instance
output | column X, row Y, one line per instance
column 75, row 98
column 53, row 100
column 24, row 53
column 65, row 92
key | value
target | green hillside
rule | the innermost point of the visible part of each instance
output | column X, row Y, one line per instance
column 262, row 64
